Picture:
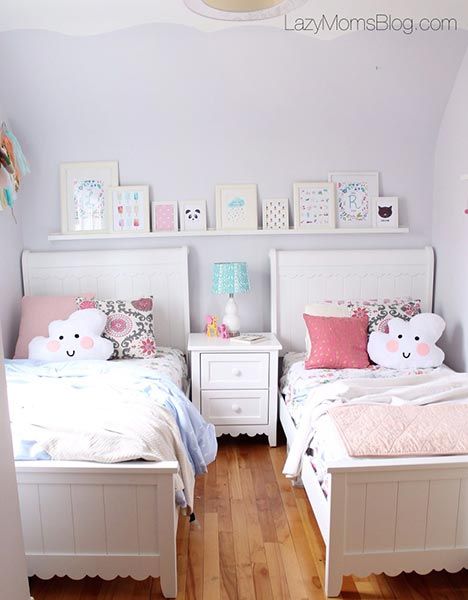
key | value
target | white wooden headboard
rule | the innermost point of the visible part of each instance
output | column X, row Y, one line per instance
column 299, row 277
column 126, row 274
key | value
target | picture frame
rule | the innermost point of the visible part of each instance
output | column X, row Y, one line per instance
column 129, row 209
column 275, row 214
column 385, row 212
column 84, row 195
column 236, row 207
column 164, row 216
column 314, row 205
column 354, row 194
column 192, row 214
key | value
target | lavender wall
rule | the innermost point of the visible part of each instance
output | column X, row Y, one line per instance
column 11, row 245
column 450, row 232
column 183, row 110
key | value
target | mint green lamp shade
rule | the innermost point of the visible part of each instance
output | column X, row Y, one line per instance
column 230, row 278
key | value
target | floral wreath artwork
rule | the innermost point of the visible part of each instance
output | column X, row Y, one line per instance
column 353, row 202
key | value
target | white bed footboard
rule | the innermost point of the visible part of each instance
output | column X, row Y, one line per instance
column 411, row 515
column 100, row 520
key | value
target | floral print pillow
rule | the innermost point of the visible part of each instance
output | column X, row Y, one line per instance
column 381, row 311
column 129, row 325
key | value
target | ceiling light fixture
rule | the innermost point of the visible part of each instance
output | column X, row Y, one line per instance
column 242, row 10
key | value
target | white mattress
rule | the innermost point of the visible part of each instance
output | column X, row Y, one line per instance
column 297, row 382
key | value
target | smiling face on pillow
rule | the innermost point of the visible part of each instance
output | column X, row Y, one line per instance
column 408, row 344
column 77, row 338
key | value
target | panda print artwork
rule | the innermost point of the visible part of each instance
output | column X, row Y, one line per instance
column 193, row 216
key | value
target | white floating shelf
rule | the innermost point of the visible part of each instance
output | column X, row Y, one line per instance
column 464, row 177
column 69, row 237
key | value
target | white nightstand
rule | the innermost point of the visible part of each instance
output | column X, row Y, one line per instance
column 235, row 386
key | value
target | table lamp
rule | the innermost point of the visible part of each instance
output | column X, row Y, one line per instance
column 231, row 278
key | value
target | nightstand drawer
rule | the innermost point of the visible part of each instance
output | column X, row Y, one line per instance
column 229, row 370
column 229, row 407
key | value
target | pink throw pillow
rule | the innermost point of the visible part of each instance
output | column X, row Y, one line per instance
column 337, row 342
column 36, row 314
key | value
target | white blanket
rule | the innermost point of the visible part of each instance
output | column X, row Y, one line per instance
column 417, row 390
column 106, row 417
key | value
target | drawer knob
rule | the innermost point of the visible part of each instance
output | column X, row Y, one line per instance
column 236, row 408
column 236, row 372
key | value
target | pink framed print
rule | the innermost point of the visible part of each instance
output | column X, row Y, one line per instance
column 164, row 216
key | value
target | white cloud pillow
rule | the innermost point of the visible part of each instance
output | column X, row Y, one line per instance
column 408, row 344
column 77, row 338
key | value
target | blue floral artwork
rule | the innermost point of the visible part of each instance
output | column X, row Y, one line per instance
column 89, row 205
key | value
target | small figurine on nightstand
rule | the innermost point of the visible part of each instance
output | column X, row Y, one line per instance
column 223, row 332
column 211, row 329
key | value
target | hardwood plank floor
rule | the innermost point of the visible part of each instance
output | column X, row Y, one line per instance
column 255, row 538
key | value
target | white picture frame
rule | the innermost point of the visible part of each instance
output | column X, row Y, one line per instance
column 192, row 215
column 129, row 209
column 275, row 214
column 314, row 205
column 236, row 207
column 385, row 212
column 84, row 196
column 354, row 194
column 164, row 216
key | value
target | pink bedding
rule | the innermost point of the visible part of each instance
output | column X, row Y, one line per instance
column 389, row 431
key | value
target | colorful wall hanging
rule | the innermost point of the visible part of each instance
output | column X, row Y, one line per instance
column 13, row 166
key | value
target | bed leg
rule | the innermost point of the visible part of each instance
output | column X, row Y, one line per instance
column 335, row 542
column 167, row 537
column 333, row 583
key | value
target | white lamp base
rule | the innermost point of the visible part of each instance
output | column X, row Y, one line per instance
column 231, row 317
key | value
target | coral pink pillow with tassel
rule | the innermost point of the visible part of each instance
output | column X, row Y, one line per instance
column 337, row 342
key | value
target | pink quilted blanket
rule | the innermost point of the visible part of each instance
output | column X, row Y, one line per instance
column 385, row 431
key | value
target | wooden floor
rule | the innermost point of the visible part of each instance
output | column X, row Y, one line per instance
column 255, row 538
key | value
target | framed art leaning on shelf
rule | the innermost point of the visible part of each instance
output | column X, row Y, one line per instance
column 275, row 213
column 385, row 212
column 354, row 194
column 129, row 206
column 314, row 205
column 84, row 194
column 236, row 207
column 192, row 215
column 164, row 216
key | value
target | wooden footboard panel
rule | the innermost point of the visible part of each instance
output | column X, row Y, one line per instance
column 407, row 516
column 100, row 520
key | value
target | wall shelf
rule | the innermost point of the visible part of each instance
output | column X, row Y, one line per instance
column 69, row 237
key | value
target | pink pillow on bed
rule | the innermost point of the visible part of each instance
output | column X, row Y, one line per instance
column 337, row 342
column 36, row 314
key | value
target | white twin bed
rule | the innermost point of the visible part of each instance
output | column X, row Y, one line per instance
column 382, row 514
column 86, row 518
